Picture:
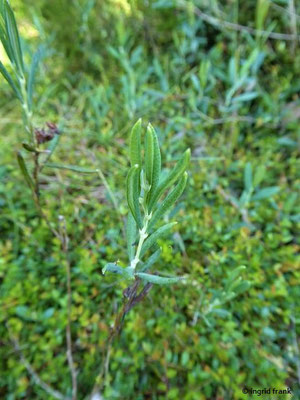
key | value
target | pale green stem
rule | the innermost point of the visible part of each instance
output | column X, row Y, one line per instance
column 142, row 232
column 143, row 237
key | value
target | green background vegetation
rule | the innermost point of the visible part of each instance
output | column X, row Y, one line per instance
column 230, row 95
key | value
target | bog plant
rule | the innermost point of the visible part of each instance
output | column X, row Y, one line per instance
column 21, row 78
column 145, row 188
column 150, row 194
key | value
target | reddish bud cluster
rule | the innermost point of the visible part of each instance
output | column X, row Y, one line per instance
column 46, row 134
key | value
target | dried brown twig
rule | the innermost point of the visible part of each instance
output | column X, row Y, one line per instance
column 221, row 24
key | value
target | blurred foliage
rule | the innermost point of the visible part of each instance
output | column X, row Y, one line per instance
column 233, row 98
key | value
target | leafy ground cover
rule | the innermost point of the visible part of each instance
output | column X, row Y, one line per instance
column 214, row 77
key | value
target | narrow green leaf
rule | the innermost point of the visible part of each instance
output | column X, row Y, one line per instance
column 159, row 280
column 169, row 201
column 133, row 193
column 265, row 193
column 31, row 78
column 115, row 269
column 242, row 287
column 149, row 155
column 24, row 171
column 259, row 175
column 74, row 168
column 10, row 81
column 248, row 177
column 29, row 148
column 220, row 312
column 151, row 260
column 236, row 272
column 135, row 144
column 131, row 236
column 151, row 240
column 5, row 42
column 176, row 172
column 13, row 37
column 156, row 162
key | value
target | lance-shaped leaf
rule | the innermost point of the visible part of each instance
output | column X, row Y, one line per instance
column 176, row 172
column 74, row 168
column 149, row 155
column 159, row 280
column 248, row 177
column 10, row 81
column 241, row 287
column 24, row 171
column 135, row 144
column 156, row 161
column 13, row 37
column 29, row 148
column 151, row 240
column 169, row 200
column 131, row 236
column 4, row 40
column 265, row 193
column 31, row 78
column 133, row 193
column 115, row 269
column 236, row 272
column 151, row 260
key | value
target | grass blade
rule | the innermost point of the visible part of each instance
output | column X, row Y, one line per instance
column 135, row 144
column 169, row 200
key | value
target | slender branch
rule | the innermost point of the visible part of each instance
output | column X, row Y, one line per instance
column 65, row 248
column 36, row 378
column 219, row 23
